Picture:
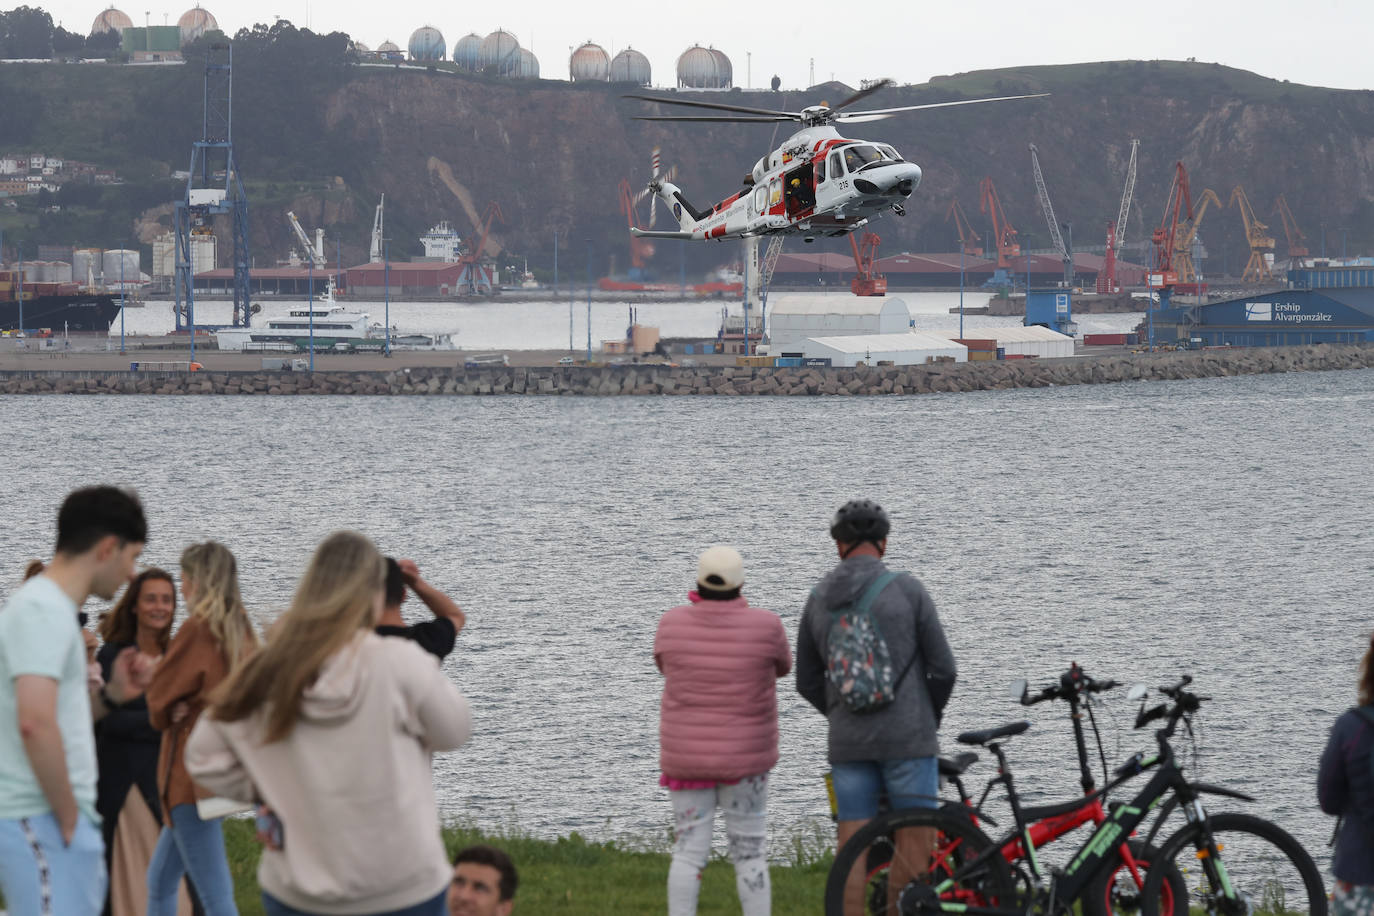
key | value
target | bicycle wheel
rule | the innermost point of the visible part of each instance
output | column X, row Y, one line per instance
column 1239, row 865
column 876, row 851
column 1116, row 891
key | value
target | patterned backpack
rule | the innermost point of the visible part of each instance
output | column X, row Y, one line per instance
column 858, row 662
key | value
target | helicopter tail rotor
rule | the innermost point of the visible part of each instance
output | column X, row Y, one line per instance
column 657, row 177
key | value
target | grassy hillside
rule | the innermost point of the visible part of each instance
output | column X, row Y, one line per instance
column 327, row 139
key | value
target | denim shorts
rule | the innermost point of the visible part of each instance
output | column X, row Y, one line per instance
column 913, row 782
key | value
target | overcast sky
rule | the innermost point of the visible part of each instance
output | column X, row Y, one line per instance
column 1317, row 42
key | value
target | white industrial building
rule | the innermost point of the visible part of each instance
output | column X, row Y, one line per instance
column 1017, row 340
column 911, row 348
column 792, row 322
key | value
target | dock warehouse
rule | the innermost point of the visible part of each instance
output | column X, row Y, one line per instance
column 1281, row 318
column 1016, row 340
column 792, row 322
column 912, row 348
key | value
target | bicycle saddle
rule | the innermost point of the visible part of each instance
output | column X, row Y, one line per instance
column 956, row 765
column 983, row 736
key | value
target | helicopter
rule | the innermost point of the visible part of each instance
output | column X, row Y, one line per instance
column 816, row 183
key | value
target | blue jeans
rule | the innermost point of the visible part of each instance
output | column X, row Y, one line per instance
column 910, row 783
column 433, row 907
column 190, row 846
column 43, row 876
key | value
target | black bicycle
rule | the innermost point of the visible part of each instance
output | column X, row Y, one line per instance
column 948, row 865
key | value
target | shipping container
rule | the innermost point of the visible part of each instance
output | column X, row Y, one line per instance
column 754, row 361
column 980, row 356
column 1104, row 340
column 818, row 362
column 788, row 362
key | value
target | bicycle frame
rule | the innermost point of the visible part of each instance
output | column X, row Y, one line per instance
column 1097, row 852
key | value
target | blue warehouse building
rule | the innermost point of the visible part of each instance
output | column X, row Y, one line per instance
column 1274, row 319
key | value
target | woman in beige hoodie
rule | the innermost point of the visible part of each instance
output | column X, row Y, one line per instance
column 332, row 727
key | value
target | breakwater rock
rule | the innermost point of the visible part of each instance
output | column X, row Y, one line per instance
column 733, row 381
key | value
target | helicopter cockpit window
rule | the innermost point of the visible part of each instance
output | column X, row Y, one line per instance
column 836, row 170
column 891, row 153
column 856, row 157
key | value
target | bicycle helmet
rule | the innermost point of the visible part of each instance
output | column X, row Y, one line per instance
column 860, row 520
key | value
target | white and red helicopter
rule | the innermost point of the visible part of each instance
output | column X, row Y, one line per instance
column 816, row 183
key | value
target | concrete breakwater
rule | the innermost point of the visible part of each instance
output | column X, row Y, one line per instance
column 680, row 380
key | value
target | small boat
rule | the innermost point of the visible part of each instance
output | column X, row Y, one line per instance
column 333, row 327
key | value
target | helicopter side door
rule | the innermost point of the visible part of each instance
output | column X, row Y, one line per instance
column 832, row 183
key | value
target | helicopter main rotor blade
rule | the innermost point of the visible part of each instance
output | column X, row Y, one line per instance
column 722, row 118
column 714, row 106
column 886, row 112
column 862, row 94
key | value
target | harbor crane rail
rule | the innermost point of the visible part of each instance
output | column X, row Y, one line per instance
column 1256, row 235
column 1056, row 238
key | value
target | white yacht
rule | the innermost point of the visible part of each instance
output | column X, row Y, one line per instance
column 335, row 327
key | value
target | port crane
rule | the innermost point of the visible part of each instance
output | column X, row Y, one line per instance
column 1257, row 237
column 817, row 182
column 1116, row 234
column 1056, row 238
column 1004, row 236
column 1179, row 203
column 314, row 251
column 471, row 259
column 1297, row 242
column 378, row 252
column 970, row 242
column 641, row 249
column 1187, row 234
column 866, row 282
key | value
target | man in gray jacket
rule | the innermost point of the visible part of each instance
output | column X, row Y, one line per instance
column 892, row 750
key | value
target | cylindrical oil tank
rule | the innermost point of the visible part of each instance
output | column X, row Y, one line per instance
column 86, row 265
column 499, row 54
column 590, row 63
column 195, row 22
column 117, row 260
column 427, row 43
column 724, row 71
column 61, row 272
column 467, row 51
column 111, row 20
column 698, row 68
column 528, row 68
column 630, row 66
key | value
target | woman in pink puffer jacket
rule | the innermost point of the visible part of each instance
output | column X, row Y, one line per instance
column 718, row 728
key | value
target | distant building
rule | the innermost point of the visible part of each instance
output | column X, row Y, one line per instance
column 442, row 243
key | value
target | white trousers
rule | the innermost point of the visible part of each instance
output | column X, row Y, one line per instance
column 745, row 806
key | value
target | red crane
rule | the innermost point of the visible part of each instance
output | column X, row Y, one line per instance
column 968, row 239
column 471, row 259
column 1004, row 234
column 641, row 249
column 1297, row 242
column 866, row 282
column 1180, row 200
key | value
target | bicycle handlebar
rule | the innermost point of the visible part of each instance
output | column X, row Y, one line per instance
column 1185, row 703
column 1072, row 684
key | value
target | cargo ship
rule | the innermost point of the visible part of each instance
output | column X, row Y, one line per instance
column 57, row 307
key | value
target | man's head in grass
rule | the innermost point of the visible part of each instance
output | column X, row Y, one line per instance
column 483, row 884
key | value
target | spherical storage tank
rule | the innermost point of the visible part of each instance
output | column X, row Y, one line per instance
column 703, row 68
column 427, row 43
column 590, row 63
column 499, row 54
column 116, row 257
column 528, row 68
column 630, row 66
column 196, row 22
column 467, row 51
column 111, row 20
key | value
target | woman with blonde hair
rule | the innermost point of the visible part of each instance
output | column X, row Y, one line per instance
column 215, row 639
column 332, row 727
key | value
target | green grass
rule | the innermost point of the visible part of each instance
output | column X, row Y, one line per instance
column 578, row 877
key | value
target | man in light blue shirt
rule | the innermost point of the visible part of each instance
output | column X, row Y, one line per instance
column 51, row 853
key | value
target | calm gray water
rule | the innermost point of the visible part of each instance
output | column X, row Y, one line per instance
column 1219, row 527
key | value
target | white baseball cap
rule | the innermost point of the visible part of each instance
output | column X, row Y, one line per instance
column 720, row 568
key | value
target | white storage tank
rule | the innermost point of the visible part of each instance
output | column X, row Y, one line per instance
column 196, row 22
column 590, row 63
column 467, row 52
column 86, row 265
column 427, row 44
column 528, row 68
column 203, row 254
column 61, row 272
column 165, row 255
column 630, row 66
column 499, row 54
column 703, row 68
column 120, row 266
column 111, row 20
